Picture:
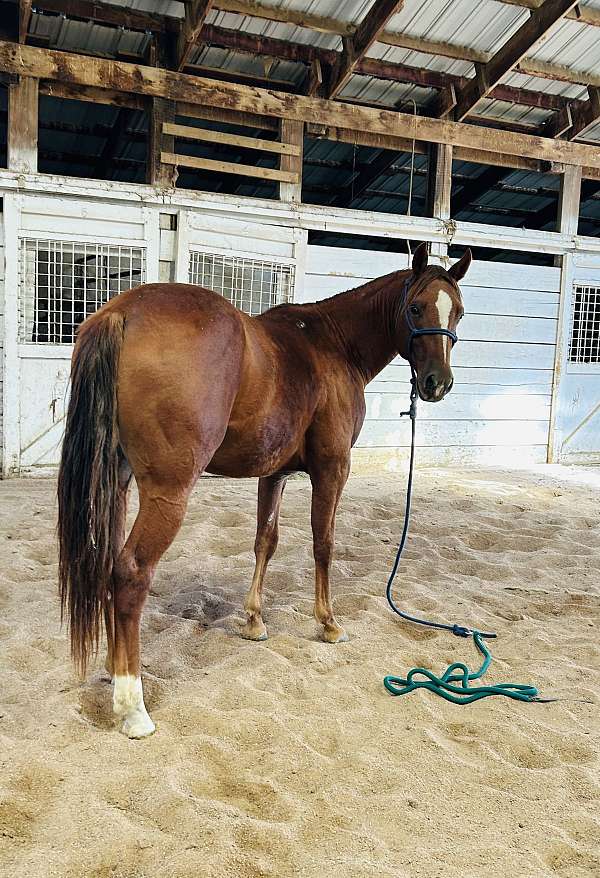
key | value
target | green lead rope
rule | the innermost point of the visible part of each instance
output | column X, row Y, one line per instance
column 458, row 673
column 453, row 685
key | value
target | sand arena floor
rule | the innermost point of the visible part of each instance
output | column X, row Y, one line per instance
column 288, row 758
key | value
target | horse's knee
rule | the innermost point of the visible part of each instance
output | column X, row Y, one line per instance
column 266, row 543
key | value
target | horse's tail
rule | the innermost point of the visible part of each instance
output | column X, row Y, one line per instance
column 88, row 483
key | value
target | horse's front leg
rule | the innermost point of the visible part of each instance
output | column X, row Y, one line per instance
column 328, row 481
column 270, row 491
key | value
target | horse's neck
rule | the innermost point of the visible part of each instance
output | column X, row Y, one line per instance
column 363, row 321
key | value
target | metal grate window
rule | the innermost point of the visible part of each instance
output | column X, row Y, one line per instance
column 584, row 346
column 63, row 282
column 253, row 285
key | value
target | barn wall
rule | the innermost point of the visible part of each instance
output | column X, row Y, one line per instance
column 504, row 364
column 499, row 409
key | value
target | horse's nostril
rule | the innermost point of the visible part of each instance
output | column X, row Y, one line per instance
column 430, row 383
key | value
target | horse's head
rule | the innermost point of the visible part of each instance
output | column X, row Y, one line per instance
column 430, row 301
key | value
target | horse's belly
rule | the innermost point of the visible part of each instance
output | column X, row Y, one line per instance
column 257, row 451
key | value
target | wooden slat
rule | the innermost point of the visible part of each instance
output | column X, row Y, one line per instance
column 64, row 66
column 190, row 133
column 188, row 161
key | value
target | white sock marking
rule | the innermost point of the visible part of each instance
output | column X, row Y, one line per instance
column 128, row 705
column 444, row 307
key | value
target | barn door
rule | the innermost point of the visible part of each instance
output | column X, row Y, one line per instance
column 577, row 418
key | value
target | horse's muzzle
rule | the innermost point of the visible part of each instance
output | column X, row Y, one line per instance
column 434, row 386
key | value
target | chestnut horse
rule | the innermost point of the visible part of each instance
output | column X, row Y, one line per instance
column 169, row 381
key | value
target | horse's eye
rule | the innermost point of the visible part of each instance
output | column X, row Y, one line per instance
column 414, row 309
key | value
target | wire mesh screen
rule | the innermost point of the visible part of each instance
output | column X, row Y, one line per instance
column 63, row 282
column 584, row 344
column 253, row 285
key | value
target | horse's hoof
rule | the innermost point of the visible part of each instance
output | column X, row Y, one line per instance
column 138, row 727
column 258, row 633
column 336, row 636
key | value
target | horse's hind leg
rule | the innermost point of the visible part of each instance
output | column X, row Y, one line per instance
column 270, row 491
column 121, row 515
column 162, row 509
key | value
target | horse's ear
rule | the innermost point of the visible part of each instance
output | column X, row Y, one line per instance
column 460, row 268
column 419, row 262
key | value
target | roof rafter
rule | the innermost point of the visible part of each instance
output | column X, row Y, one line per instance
column 107, row 13
column 195, row 16
column 357, row 45
column 24, row 18
column 516, row 47
column 576, row 118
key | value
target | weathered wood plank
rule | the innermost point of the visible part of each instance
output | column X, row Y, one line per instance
column 22, row 136
column 292, row 136
column 63, row 66
column 188, row 132
column 188, row 161
column 157, row 172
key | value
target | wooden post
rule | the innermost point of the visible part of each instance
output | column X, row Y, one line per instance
column 23, row 125
column 292, row 133
column 439, row 189
column 568, row 201
column 569, row 197
column 158, row 173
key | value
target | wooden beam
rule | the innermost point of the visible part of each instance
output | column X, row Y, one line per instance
column 109, row 14
column 526, row 38
column 24, row 19
column 439, row 181
column 583, row 117
column 544, row 70
column 292, row 137
column 195, row 16
column 189, row 161
column 187, row 132
column 121, row 76
column 357, row 46
column 22, row 135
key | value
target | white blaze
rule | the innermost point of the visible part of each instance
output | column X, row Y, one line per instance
column 444, row 307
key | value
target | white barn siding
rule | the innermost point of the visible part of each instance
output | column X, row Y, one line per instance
column 499, row 409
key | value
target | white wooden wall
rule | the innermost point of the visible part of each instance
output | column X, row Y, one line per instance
column 499, row 408
column 498, row 412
